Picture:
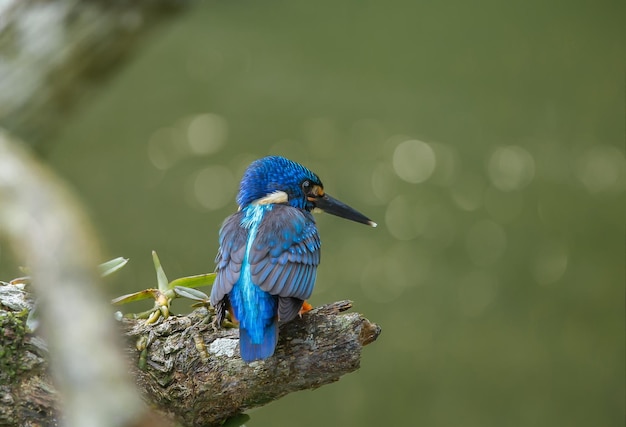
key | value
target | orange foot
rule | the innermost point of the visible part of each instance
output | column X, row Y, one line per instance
column 305, row 307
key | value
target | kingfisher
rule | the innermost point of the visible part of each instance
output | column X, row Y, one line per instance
column 270, row 249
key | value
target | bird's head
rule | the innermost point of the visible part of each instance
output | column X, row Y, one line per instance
column 275, row 179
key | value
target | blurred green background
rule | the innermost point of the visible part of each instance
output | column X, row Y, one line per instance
column 486, row 139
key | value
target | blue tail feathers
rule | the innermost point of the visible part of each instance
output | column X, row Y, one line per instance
column 256, row 312
column 251, row 351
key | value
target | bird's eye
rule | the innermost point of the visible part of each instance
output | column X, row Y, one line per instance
column 306, row 184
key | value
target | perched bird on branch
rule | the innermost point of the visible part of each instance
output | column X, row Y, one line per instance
column 270, row 249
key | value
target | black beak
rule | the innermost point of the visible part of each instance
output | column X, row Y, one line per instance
column 333, row 206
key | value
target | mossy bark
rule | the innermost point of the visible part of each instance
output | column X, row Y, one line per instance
column 27, row 396
column 186, row 370
column 195, row 373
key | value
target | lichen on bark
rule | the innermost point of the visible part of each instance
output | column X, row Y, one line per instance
column 195, row 373
column 186, row 370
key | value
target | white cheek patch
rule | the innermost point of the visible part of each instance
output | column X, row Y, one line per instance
column 317, row 210
column 275, row 197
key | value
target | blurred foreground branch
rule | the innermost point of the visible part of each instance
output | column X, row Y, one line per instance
column 54, row 52
column 48, row 231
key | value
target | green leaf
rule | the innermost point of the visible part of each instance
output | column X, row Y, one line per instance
column 190, row 293
column 194, row 281
column 161, row 277
column 112, row 266
column 136, row 296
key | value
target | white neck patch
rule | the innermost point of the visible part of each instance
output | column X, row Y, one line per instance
column 275, row 197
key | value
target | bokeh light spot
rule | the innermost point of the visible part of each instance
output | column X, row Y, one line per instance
column 352, row 255
column 511, row 168
column 602, row 168
column 166, row 147
column 403, row 221
column 384, row 279
column 414, row 161
column 214, row 187
column 415, row 259
column 384, row 182
column 468, row 192
column 447, row 164
column 549, row 262
column 207, row 133
column 476, row 291
column 485, row 242
column 441, row 227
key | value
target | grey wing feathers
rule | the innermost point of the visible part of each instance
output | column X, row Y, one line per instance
column 283, row 258
column 229, row 257
column 286, row 253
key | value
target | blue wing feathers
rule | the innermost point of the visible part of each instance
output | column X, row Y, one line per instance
column 261, row 277
column 295, row 282
column 256, row 268
column 288, row 308
column 283, row 258
column 269, row 254
column 287, row 279
column 304, row 280
column 282, row 275
column 229, row 257
column 282, row 262
column 274, row 282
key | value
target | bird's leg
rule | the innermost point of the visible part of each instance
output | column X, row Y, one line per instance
column 224, row 316
column 220, row 313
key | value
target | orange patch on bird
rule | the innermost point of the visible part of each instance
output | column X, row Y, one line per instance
column 305, row 307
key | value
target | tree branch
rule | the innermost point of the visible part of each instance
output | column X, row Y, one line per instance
column 196, row 373
column 193, row 374
column 55, row 52
column 47, row 230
